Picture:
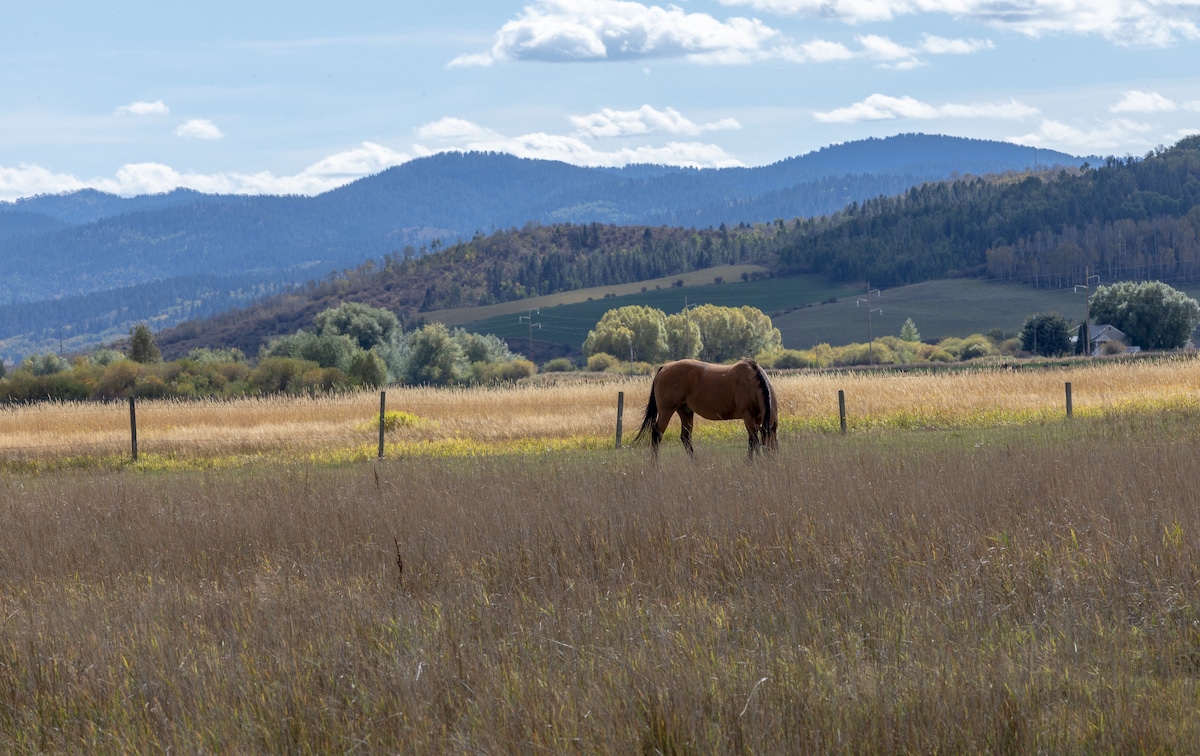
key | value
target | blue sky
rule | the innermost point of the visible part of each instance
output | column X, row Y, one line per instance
column 137, row 97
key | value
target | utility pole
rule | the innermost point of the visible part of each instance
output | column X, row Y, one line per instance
column 529, row 319
column 870, row 335
column 687, row 329
column 1087, row 308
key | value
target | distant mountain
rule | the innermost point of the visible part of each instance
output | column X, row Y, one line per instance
column 1132, row 219
column 69, row 246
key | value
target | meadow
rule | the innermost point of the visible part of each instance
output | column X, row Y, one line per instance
column 965, row 570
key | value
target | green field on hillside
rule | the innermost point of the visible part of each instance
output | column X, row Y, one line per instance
column 569, row 323
column 810, row 310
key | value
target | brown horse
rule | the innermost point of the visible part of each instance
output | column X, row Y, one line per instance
column 739, row 391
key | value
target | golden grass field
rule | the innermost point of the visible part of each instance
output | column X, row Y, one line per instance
column 571, row 414
column 966, row 570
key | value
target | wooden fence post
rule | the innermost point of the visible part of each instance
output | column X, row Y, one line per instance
column 1068, row 399
column 382, row 412
column 620, row 415
column 842, row 409
column 133, row 427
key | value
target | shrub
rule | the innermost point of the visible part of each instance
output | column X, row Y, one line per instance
column 275, row 374
column 558, row 365
column 600, row 362
column 118, row 378
column 367, row 369
column 321, row 379
column 502, row 372
column 787, row 359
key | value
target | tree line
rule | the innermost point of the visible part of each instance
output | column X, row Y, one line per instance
column 351, row 346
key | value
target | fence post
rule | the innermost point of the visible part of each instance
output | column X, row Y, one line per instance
column 620, row 415
column 1068, row 399
column 133, row 427
column 842, row 409
column 382, row 408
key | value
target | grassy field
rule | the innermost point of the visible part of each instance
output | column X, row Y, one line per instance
column 966, row 570
column 808, row 310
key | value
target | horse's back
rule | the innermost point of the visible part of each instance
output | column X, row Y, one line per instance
column 714, row 392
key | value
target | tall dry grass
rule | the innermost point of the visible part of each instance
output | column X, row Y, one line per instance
column 508, row 419
column 1005, row 590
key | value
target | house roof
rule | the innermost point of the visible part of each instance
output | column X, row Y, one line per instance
column 1105, row 332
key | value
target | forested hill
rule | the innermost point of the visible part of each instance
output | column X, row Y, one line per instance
column 1125, row 219
column 62, row 246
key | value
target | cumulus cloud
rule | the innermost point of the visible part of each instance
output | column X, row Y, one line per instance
column 28, row 180
column 879, row 107
column 1144, row 102
column 1101, row 138
column 593, row 30
column 153, row 178
column 580, row 148
column 158, row 107
column 645, row 120
column 1158, row 23
column 198, row 128
column 606, row 30
column 454, row 130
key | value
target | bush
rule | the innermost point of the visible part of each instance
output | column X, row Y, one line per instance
column 118, row 378
column 788, row 359
column 44, row 364
column 277, row 374
column 322, row 379
column 368, row 369
column 559, row 365
column 600, row 362
column 502, row 372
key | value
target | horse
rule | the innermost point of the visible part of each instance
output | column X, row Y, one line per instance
column 688, row 388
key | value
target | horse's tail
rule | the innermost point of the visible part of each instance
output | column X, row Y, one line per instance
column 770, row 418
column 650, row 418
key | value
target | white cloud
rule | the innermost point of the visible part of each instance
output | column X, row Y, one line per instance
column 580, row 148
column 879, row 107
column 595, row 30
column 153, row 178
column 935, row 45
column 453, row 130
column 1144, row 102
column 1121, row 134
column 822, row 51
column 645, row 120
column 591, row 30
column 28, row 180
column 1158, row 23
column 198, row 128
column 158, row 107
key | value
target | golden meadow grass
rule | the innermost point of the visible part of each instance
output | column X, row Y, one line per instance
column 1022, row 587
column 507, row 420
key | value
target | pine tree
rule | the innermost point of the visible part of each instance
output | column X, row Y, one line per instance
column 141, row 345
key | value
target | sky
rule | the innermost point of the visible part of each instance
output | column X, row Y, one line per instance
column 135, row 97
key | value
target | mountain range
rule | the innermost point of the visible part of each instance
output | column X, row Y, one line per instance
column 82, row 267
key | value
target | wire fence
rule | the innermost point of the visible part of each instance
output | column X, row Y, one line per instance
column 305, row 424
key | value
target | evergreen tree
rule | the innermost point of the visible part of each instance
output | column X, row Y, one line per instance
column 1046, row 334
column 141, row 345
column 909, row 332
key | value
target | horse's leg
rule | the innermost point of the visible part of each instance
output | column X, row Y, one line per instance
column 752, row 430
column 686, row 419
column 665, row 412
